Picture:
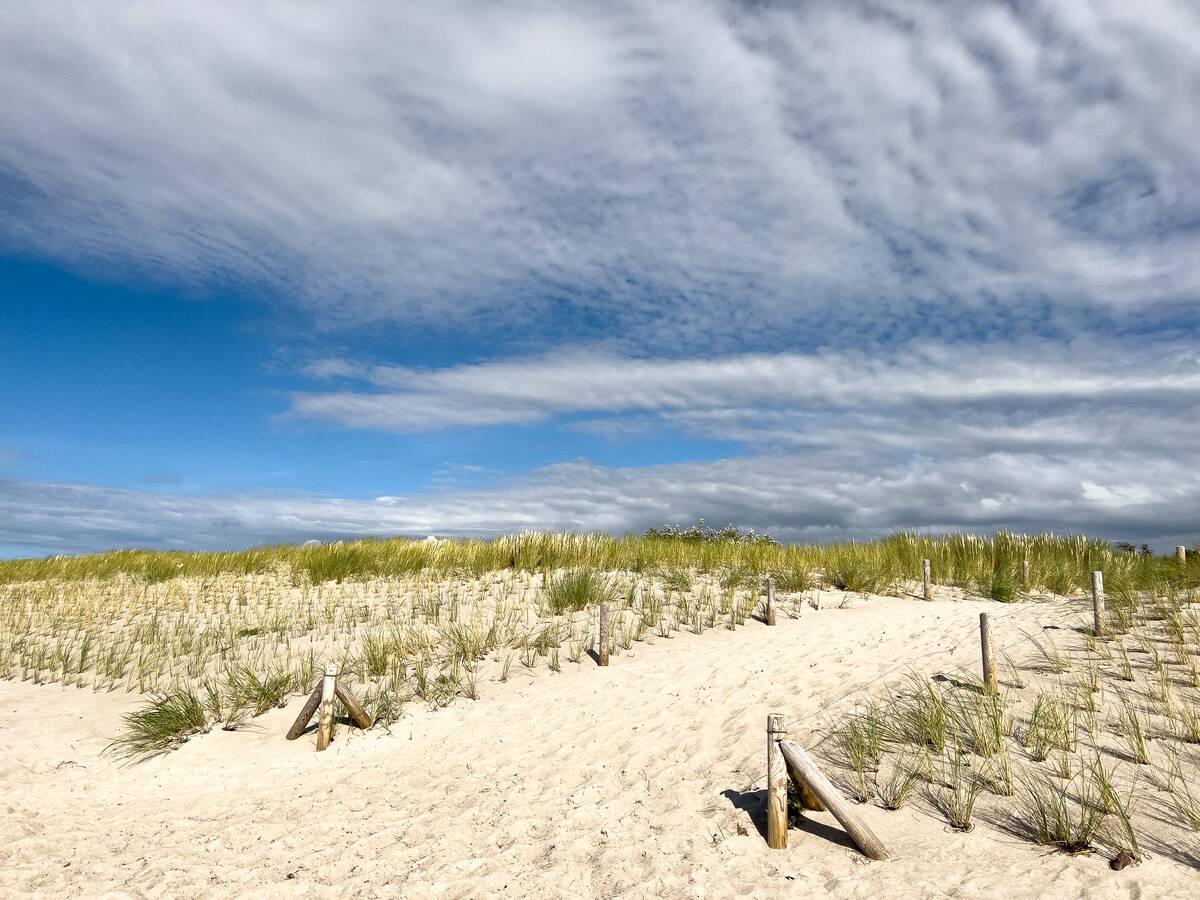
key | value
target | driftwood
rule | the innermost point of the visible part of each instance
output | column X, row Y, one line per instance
column 807, row 773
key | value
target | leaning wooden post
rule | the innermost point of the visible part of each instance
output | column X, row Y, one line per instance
column 1098, row 603
column 1181, row 554
column 1025, row 574
column 770, row 600
column 777, row 784
column 357, row 713
column 806, row 771
column 989, row 663
column 328, row 692
column 928, row 583
column 602, row 650
column 306, row 713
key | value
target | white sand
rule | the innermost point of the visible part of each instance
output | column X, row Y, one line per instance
column 641, row 780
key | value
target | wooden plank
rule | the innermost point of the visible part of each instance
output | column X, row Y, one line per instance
column 306, row 714
column 777, row 782
column 328, row 692
column 810, row 775
column 357, row 713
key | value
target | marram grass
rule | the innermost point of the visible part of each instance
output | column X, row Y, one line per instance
column 989, row 565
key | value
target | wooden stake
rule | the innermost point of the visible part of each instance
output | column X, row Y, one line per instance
column 928, row 584
column 770, row 600
column 357, row 713
column 1025, row 574
column 1098, row 603
column 777, row 782
column 306, row 714
column 602, row 650
column 328, row 692
column 1181, row 554
column 807, row 772
column 989, row 663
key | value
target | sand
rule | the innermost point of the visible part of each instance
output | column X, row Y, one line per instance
column 644, row 779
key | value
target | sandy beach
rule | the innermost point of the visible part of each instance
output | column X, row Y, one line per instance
column 645, row 779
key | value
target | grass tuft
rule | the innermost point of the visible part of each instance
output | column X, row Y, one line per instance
column 167, row 721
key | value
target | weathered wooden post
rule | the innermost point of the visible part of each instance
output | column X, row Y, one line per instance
column 357, row 713
column 328, row 692
column 989, row 662
column 770, row 600
column 805, row 771
column 602, row 650
column 1025, row 574
column 322, row 695
column 925, row 577
column 1098, row 603
column 306, row 713
column 777, row 784
column 1181, row 554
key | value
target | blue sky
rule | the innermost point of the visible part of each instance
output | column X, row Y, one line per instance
column 272, row 273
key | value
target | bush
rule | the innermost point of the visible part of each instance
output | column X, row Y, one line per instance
column 701, row 533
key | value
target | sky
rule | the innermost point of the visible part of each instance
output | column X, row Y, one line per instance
column 272, row 272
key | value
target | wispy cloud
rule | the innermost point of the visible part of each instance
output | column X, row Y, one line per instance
column 681, row 172
column 996, row 385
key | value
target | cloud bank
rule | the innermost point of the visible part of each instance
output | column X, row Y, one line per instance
column 851, row 488
column 679, row 172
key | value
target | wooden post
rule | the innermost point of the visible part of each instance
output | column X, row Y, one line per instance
column 806, row 770
column 1025, row 574
column 926, row 579
column 306, row 713
column 777, row 784
column 328, row 692
column 602, row 650
column 357, row 713
column 1181, row 554
column 989, row 663
column 770, row 600
column 1098, row 603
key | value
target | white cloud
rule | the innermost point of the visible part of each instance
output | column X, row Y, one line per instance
column 682, row 172
column 853, row 489
column 995, row 387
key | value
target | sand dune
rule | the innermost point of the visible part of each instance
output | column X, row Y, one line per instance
column 641, row 780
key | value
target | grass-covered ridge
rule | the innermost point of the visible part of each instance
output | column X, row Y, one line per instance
column 216, row 638
column 987, row 565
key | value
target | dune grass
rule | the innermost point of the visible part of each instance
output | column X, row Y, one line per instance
column 987, row 565
column 1089, row 744
column 419, row 620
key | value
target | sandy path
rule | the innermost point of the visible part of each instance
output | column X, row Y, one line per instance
column 633, row 781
